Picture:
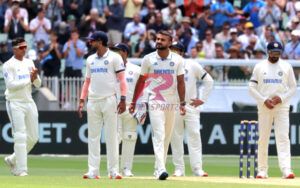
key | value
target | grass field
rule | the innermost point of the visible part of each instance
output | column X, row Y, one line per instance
column 67, row 172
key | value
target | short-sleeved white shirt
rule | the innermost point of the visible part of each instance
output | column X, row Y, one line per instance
column 41, row 32
column 102, row 71
column 162, row 73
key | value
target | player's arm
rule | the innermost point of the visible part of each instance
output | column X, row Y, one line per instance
column 120, row 74
column 181, row 85
column 34, row 77
column 10, row 81
column 85, row 88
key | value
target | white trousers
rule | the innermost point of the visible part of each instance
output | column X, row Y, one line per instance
column 24, row 120
column 127, row 132
column 162, row 122
column 191, row 124
column 103, row 113
column 280, row 117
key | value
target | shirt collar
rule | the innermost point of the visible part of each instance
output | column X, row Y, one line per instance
column 167, row 58
column 104, row 56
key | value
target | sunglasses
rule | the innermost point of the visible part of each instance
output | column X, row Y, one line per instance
column 21, row 47
column 275, row 53
column 91, row 41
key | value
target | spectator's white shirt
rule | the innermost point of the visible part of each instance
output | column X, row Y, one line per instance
column 163, row 72
column 23, row 14
column 290, row 7
column 222, row 37
column 166, row 12
column 41, row 32
column 245, row 39
column 209, row 49
column 17, row 80
column 103, row 74
column 269, row 80
column 131, row 27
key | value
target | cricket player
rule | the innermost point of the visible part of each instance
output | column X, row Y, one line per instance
column 127, row 123
column 102, row 71
column 272, row 84
column 191, row 121
column 19, row 74
column 162, row 100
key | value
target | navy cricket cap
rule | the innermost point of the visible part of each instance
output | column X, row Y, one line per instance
column 275, row 46
column 178, row 45
column 98, row 36
column 120, row 46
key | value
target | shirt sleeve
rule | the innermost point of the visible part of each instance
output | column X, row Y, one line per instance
column 88, row 69
column 207, row 80
column 32, row 24
column 180, row 69
column 253, row 84
column 118, row 64
column 144, row 66
column 48, row 24
column 37, row 82
column 10, row 81
column 246, row 8
column 292, row 86
column 65, row 47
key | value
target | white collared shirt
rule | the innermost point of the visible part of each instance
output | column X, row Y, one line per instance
column 103, row 74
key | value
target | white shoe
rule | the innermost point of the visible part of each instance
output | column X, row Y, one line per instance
column 262, row 175
column 115, row 175
column 90, row 176
column 22, row 174
column 156, row 172
column 127, row 173
column 288, row 174
column 200, row 172
column 178, row 173
column 10, row 164
column 163, row 175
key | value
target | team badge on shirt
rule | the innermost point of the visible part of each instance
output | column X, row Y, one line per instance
column 130, row 72
column 171, row 63
column 105, row 62
column 280, row 73
column 155, row 63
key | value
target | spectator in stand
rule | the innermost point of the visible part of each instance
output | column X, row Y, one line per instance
column 268, row 34
column 71, row 19
column 294, row 24
column 54, row 11
column 134, row 28
column 192, row 40
column 131, row 8
column 241, row 26
column 15, row 26
column 224, row 35
column 166, row 11
column 31, row 6
column 173, row 18
column 259, row 54
column 249, row 33
column 151, row 14
column 290, row 9
column 222, row 10
column 40, row 26
column 193, row 53
column 186, row 24
column 292, row 49
column 64, row 32
column 23, row 12
column 51, row 57
column 251, row 48
column 76, row 7
column 100, row 5
column 91, row 23
column 114, row 14
column 199, row 47
column 73, row 52
column 205, row 21
column 209, row 45
column 146, row 44
column 235, row 72
column 158, row 24
column 40, row 45
column 270, row 14
column 253, row 8
column 5, row 54
column 192, row 6
column 145, row 8
column 3, row 7
column 233, row 39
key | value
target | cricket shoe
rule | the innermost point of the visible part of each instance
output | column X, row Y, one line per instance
column 262, row 175
column 178, row 173
column 200, row 172
column 90, row 176
column 115, row 176
column 163, row 175
column 11, row 165
column 127, row 173
column 288, row 174
column 23, row 173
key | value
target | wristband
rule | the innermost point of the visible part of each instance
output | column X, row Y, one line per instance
column 182, row 103
column 123, row 98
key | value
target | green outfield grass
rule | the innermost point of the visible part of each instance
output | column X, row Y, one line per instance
column 67, row 172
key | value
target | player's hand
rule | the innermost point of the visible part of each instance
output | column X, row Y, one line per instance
column 122, row 107
column 33, row 74
column 269, row 104
column 276, row 100
column 132, row 108
column 196, row 102
column 80, row 107
column 182, row 110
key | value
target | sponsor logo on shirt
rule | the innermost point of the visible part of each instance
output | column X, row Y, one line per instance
column 99, row 70
column 24, row 76
column 272, row 81
column 129, row 80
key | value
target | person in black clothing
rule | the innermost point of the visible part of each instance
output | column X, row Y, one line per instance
column 51, row 57
column 150, row 14
column 158, row 25
column 15, row 25
column 5, row 54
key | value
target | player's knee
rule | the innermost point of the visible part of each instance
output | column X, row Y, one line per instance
column 193, row 133
column 20, row 138
column 129, row 136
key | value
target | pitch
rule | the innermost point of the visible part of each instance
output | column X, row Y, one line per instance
column 67, row 172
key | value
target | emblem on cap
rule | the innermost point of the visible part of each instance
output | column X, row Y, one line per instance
column 275, row 45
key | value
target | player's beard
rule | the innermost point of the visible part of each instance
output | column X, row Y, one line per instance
column 273, row 59
column 160, row 47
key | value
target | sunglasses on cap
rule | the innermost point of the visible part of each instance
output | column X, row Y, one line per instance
column 24, row 47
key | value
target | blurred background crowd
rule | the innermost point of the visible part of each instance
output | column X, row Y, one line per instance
column 209, row 29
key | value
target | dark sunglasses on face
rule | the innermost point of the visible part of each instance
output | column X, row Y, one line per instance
column 21, row 47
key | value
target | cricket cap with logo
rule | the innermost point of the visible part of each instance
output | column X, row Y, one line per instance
column 98, row 36
column 178, row 45
column 120, row 46
column 275, row 46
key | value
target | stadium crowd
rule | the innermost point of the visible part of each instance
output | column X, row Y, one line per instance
column 209, row 29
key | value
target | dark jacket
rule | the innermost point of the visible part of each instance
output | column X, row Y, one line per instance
column 115, row 21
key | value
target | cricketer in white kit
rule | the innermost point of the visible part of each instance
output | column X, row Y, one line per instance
column 19, row 74
column 102, row 71
column 272, row 84
column 191, row 121
column 127, row 123
column 165, row 68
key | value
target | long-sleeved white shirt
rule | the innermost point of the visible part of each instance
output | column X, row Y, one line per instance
column 193, row 72
column 17, row 80
column 269, row 80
